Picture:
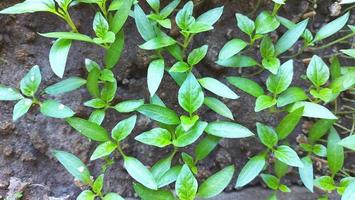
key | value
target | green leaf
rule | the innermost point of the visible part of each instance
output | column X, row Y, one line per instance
column 74, row 166
column 185, row 138
column 320, row 150
column 161, row 167
column 121, row 16
column 186, row 184
column 324, row 94
column 288, row 39
column 344, row 183
column 58, row 56
column 197, row 55
column 267, row 135
column 88, row 129
column 189, row 160
column 65, row 86
column 190, row 94
column 100, row 25
column 228, row 130
column 325, row 183
column 92, row 84
column 139, row 172
column 343, row 83
column 272, row 64
column 144, row 27
column 95, row 103
column 160, row 114
column 148, row 194
column 317, row 71
column 335, row 152
column 123, row 128
column 313, row 110
column 184, row 17
column 54, row 109
column 238, row 61
column 211, row 16
column 245, row 24
column 291, row 95
column 332, row 27
column 155, row 75
column 158, row 137
column 128, row 105
column 188, row 122
column 30, row 6
column 158, row 43
column 319, row 129
column 231, row 48
column 218, row 107
column 86, row 195
column 263, row 102
column 108, row 92
column 251, row 170
column 216, row 183
column 114, row 5
column 348, row 142
column 68, row 36
column 165, row 12
column 217, row 87
column 306, row 173
column 349, row 192
column 267, row 48
column 180, row 67
column 170, row 176
column 284, row 188
column 9, row 93
column 104, row 149
column 289, row 123
column 265, row 23
column 288, row 156
column 282, row 80
column 271, row 181
column 349, row 52
column 113, row 54
column 107, row 75
column 97, row 116
column 280, row 169
column 206, row 146
column 30, row 82
column 198, row 27
column 112, row 196
column 155, row 4
column 21, row 108
column 246, row 85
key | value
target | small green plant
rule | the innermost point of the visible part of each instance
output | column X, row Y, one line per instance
column 175, row 130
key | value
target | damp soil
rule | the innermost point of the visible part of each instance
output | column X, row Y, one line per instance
column 26, row 163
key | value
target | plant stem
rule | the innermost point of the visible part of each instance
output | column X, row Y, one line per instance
column 120, row 150
column 335, row 41
column 66, row 16
column 103, row 9
column 276, row 9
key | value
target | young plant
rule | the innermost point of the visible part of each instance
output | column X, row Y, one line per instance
column 27, row 96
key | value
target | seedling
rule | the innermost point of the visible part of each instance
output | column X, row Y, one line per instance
column 175, row 130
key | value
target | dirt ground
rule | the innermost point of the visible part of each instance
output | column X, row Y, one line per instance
column 25, row 159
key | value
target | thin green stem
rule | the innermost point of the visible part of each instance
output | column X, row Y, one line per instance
column 335, row 42
column 104, row 10
column 120, row 150
column 276, row 9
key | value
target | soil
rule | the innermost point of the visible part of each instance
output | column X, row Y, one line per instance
column 26, row 163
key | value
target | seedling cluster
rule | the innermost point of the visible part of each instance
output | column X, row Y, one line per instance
column 172, row 177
